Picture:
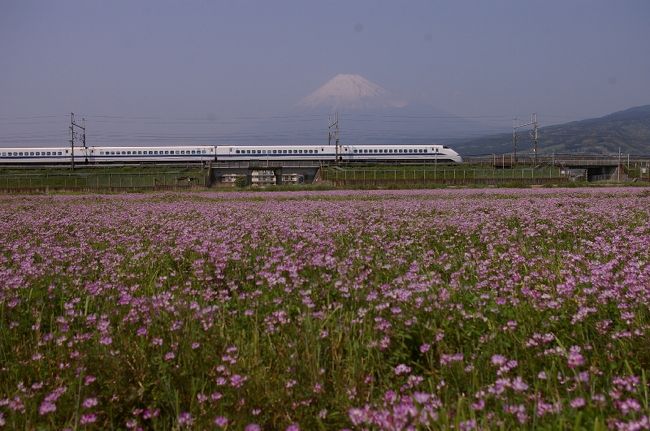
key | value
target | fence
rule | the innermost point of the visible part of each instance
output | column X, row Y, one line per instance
column 442, row 176
column 100, row 181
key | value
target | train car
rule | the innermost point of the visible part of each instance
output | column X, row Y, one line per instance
column 275, row 152
column 399, row 153
column 151, row 154
column 33, row 156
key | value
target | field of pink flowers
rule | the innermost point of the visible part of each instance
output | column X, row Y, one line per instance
column 448, row 309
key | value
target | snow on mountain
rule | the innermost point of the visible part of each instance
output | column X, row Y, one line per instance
column 350, row 92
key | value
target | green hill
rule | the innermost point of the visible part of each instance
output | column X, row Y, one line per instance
column 628, row 130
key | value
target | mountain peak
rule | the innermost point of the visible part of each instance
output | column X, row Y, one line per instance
column 350, row 91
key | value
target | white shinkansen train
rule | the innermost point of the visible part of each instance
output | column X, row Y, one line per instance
column 184, row 154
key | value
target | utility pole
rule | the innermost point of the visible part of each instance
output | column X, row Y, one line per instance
column 72, row 137
column 72, row 140
column 534, row 134
column 514, row 137
column 333, row 132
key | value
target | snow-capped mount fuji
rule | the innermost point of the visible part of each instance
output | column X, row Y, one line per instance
column 369, row 114
column 350, row 92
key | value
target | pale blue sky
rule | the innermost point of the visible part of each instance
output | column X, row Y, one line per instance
column 176, row 60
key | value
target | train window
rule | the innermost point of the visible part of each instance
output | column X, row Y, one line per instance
column 4, row 154
column 237, row 151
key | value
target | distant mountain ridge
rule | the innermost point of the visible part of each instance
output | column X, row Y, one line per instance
column 628, row 130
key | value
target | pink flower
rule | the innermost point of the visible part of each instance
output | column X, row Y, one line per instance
column 575, row 358
column 88, row 418
column 577, row 403
column 46, row 407
column 221, row 421
column 402, row 369
column 89, row 403
column 185, row 419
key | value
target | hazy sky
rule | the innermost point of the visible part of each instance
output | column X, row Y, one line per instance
column 178, row 60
